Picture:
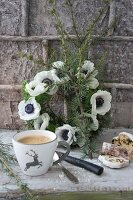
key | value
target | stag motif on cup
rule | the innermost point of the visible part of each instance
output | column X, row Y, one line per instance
column 35, row 160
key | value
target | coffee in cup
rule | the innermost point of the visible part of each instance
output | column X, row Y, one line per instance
column 34, row 139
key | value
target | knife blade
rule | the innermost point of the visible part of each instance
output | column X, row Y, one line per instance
column 69, row 175
column 96, row 169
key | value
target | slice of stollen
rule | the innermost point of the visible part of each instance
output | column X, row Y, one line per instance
column 125, row 140
column 114, row 150
column 113, row 162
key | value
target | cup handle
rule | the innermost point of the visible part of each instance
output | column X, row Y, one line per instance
column 64, row 144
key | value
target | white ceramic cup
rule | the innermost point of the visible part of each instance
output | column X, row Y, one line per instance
column 35, row 159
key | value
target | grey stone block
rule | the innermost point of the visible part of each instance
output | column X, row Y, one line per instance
column 11, row 94
column 9, row 99
column 14, row 17
column 124, row 95
column 10, row 17
column 41, row 23
column 118, row 60
column 124, row 17
column 6, row 114
column 13, row 69
column 123, row 115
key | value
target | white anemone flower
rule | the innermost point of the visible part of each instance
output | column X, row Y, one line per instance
column 49, row 78
column 93, row 83
column 67, row 133
column 35, row 88
column 87, row 68
column 42, row 122
column 101, row 102
column 29, row 109
column 58, row 64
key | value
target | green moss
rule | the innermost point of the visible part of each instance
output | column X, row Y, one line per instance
column 90, row 196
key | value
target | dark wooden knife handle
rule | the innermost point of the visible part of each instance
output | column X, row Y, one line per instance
column 96, row 169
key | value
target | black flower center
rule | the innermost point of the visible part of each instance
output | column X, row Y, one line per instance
column 99, row 102
column 40, row 124
column 84, row 71
column 65, row 134
column 29, row 108
column 33, row 88
column 47, row 81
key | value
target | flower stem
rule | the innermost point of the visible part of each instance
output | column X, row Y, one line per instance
column 80, row 104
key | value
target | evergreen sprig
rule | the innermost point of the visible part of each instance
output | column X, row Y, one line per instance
column 7, row 160
column 78, row 100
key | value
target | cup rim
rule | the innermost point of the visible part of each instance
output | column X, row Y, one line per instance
column 13, row 138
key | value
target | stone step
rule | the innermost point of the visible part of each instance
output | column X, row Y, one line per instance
column 54, row 181
column 32, row 17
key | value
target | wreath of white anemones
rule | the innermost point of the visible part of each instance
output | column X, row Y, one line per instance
column 29, row 109
column 50, row 79
column 35, row 88
column 67, row 133
column 58, row 64
column 101, row 102
column 42, row 122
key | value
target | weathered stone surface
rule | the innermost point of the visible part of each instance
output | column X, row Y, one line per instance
column 5, row 114
column 17, row 123
column 118, row 60
column 10, row 94
column 10, row 17
column 56, row 182
column 124, row 17
column 41, row 23
column 124, row 95
column 13, row 69
column 24, row 17
column 123, row 115
column 14, row 17
column 9, row 100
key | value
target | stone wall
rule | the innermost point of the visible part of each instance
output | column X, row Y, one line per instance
column 25, row 25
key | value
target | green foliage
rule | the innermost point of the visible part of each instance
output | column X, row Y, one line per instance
column 76, row 87
column 25, row 95
column 43, row 99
